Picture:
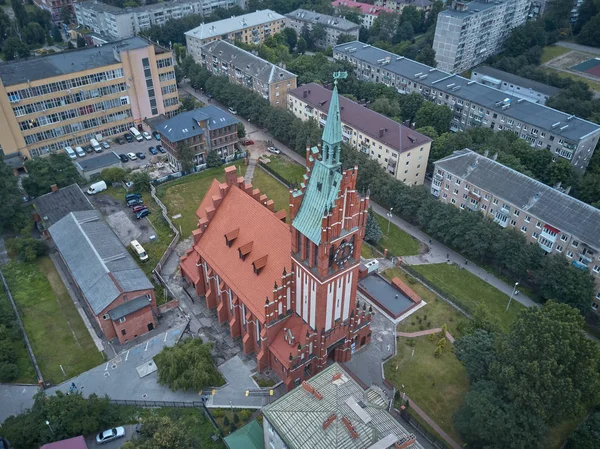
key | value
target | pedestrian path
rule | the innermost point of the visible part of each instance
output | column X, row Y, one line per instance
column 447, row 438
column 250, row 171
column 436, row 330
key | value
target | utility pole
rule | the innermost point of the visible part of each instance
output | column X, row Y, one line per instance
column 511, row 296
column 389, row 214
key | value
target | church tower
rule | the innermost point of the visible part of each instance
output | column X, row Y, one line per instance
column 328, row 219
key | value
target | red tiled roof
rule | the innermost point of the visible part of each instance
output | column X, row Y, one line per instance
column 71, row 443
column 256, row 224
column 207, row 201
column 188, row 264
column 365, row 8
column 281, row 348
column 397, row 136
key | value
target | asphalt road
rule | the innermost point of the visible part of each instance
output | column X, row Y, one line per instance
column 115, row 444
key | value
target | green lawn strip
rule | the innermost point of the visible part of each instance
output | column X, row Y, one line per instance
column 55, row 329
column 183, row 196
column 553, row 51
column 271, row 187
column 470, row 291
column 437, row 384
column 435, row 314
column 368, row 252
column 559, row 433
column 286, row 168
column 23, row 362
column 397, row 242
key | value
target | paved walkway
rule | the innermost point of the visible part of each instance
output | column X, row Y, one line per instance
column 578, row 47
column 250, row 170
column 425, row 332
column 432, row 423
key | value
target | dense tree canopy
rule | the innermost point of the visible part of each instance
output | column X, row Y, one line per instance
column 45, row 171
column 587, row 434
column 10, row 198
column 161, row 432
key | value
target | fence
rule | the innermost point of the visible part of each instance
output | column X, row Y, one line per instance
column 175, row 240
column 38, row 372
column 429, row 436
column 275, row 175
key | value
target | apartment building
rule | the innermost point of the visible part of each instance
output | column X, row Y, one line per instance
column 369, row 12
column 477, row 105
column 402, row 151
column 205, row 129
column 516, row 85
column 467, row 33
column 557, row 222
column 241, row 67
column 252, row 28
column 399, row 5
column 121, row 23
column 334, row 26
column 54, row 7
column 66, row 99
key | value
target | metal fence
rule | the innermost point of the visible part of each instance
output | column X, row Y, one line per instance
column 275, row 175
column 429, row 436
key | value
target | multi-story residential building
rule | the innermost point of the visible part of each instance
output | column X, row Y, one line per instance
column 334, row 26
column 467, row 33
column 369, row 12
column 399, row 5
column 204, row 129
column 477, row 105
column 334, row 411
column 55, row 7
column 251, row 28
column 241, row 67
column 120, row 23
column 402, row 151
column 515, row 85
column 68, row 98
column 557, row 222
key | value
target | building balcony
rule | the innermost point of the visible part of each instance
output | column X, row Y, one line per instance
column 435, row 190
column 580, row 265
column 322, row 121
column 308, row 110
column 548, row 234
column 505, row 210
column 501, row 219
column 438, row 177
column 545, row 244
column 364, row 149
column 585, row 258
column 472, row 206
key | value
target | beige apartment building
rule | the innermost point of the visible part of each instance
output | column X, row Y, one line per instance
column 402, row 151
column 241, row 67
column 252, row 28
column 557, row 222
column 66, row 99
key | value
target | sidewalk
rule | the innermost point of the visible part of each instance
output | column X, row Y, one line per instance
column 425, row 332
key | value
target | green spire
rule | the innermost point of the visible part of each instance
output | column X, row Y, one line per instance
column 332, row 134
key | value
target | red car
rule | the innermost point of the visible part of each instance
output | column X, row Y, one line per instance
column 139, row 208
column 248, row 142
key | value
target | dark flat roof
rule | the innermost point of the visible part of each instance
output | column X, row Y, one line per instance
column 41, row 67
column 55, row 205
column 515, row 79
column 128, row 307
column 388, row 297
column 94, row 163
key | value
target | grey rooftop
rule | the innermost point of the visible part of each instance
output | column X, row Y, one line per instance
column 515, row 79
column 559, row 123
column 225, row 26
column 185, row 125
column 339, row 23
column 66, row 62
column 94, row 163
column 129, row 307
column 53, row 206
column 551, row 206
column 99, row 263
column 472, row 7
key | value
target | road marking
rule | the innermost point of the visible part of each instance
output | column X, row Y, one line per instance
column 166, row 334
column 127, row 356
column 106, row 369
column 147, row 343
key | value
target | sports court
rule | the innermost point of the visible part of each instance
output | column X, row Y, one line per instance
column 591, row 66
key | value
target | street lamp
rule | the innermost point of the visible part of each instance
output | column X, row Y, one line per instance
column 389, row 215
column 48, row 424
column 511, row 296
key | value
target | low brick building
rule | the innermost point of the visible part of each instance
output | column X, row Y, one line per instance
column 115, row 289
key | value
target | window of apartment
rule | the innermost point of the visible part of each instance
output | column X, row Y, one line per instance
column 523, row 228
column 569, row 254
column 574, row 243
column 516, row 213
column 538, row 225
column 447, row 187
column 486, row 197
column 495, row 201
column 444, row 195
column 462, row 206
column 559, row 248
column 105, row 316
column 564, row 238
column 483, row 206
column 122, row 320
column 535, row 235
column 513, row 222
column 596, row 269
column 527, row 219
column 465, row 196
column 449, row 177
column 453, row 201
column 456, row 191
column 457, row 182
column 594, row 306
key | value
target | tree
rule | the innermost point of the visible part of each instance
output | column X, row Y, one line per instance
column 317, row 35
column 476, row 352
column 113, row 174
column 241, row 130
column 590, row 33
column 20, row 13
column 387, row 107
column 410, row 105
column 161, row 432
column 45, row 171
column 291, row 37
column 70, row 45
column 34, row 34
column 437, row 116
column 66, row 15
column 141, row 180
column 188, row 103
column 372, row 231
column 25, row 248
column 80, row 41
column 213, row 159
column 185, row 156
column 187, row 366
column 14, row 48
column 302, row 46
column 343, row 38
column 587, row 434
column 546, row 359
column 10, row 198
column 8, row 371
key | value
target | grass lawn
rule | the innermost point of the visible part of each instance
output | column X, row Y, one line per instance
column 368, row 252
column 553, row 51
column 271, row 187
column 437, row 384
column 54, row 327
column 287, row 168
column 183, row 196
column 398, row 242
column 470, row 291
column 594, row 85
column 436, row 313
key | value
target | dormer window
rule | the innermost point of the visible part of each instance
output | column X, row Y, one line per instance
column 244, row 250
column 259, row 264
column 231, row 236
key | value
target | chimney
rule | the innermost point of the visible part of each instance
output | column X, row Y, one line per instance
column 567, row 190
column 54, row 188
column 486, row 153
column 495, row 156
column 381, row 131
column 304, row 94
column 230, row 175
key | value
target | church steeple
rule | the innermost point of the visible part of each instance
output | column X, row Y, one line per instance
column 332, row 134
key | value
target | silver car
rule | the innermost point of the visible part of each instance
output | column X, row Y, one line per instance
column 110, row 434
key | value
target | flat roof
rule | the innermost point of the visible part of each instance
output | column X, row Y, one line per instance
column 540, row 116
column 561, row 211
column 391, row 299
column 369, row 122
column 225, row 26
column 472, row 7
column 94, row 163
column 515, row 79
column 339, row 23
column 65, row 62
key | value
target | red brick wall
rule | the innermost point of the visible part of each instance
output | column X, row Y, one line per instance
column 135, row 324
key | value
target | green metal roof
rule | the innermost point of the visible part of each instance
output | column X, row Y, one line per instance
column 332, row 133
column 248, row 437
column 320, row 195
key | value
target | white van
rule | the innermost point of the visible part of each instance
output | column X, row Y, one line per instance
column 70, row 152
column 95, row 145
column 139, row 250
column 136, row 134
column 96, row 188
column 79, row 151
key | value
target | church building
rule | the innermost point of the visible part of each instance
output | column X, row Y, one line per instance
column 288, row 290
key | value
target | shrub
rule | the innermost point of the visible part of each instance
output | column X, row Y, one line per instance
column 431, row 337
column 8, row 372
column 438, row 351
column 236, row 418
column 113, row 174
column 412, row 280
column 226, row 421
column 245, row 414
column 218, row 413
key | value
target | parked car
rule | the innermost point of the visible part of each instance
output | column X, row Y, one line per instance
column 123, row 157
column 80, row 152
column 110, row 435
column 140, row 155
column 161, row 149
column 130, row 196
column 156, row 135
column 152, row 150
column 232, row 111
column 88, row 149
column 139, row 208
column 248, row 142
column 135, row 202
column 128, row 137
column 273, row 150
column 105, row 145
column 147, row 136
column 119, row 140
column 141, row 214
column 131, row 156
